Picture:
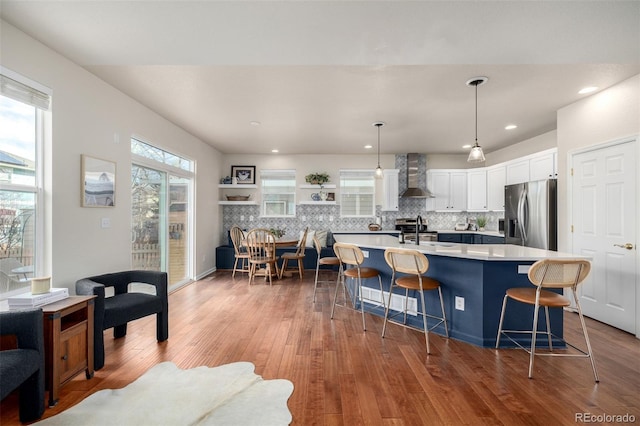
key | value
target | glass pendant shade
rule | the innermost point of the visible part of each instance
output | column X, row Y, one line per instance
column 476, row 155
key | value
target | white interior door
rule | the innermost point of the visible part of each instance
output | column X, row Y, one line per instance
column 604, row 220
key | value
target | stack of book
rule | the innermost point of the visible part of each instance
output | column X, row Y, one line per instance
column 30, row 300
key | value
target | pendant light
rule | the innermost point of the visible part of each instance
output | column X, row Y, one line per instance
column 378, row 174
column 476, row 155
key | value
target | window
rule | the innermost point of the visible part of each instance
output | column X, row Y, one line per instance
column 278, row 192
column 357, row 193
column 23, row 105
column 161, row 213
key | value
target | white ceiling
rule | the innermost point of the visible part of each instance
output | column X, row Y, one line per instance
column 317, row 74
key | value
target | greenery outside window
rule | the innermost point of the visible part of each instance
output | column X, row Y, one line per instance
column 278, row 193
column 357, row 193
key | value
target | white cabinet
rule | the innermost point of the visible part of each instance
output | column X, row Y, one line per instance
column 477, row 189
column 496, row 180
column 449, row 188
column 390, row 191
column 518, row 171
column 543, row 166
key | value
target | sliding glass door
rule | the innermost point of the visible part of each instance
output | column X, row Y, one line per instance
column 161, row 210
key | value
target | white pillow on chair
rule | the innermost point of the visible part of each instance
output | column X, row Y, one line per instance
column 320, row 235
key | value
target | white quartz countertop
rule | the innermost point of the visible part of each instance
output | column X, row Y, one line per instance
column 393, row 231
column 492, row 252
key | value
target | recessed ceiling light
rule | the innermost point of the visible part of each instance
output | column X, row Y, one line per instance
column 586, row 90
column 510, row 127
column 254, row 123
column 368, row 146
column 275, row 151
column 466, row 146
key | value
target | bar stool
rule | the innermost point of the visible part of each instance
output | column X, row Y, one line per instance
column 349, row 254
column 323, row 261
column 549, row 273
column 415, row 264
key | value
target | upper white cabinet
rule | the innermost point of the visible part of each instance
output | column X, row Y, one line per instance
column 390, row 191
column 449, row 188
column 537, row 166
column 517, row 172
column 477, row 189
column 496, row 180
column 543, row 166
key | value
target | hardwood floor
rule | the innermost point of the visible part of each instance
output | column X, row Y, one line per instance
column 345, row 376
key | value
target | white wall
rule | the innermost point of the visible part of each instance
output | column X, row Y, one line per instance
column 530, row 146
column 87, row 114
column 610, row 115
column 605, row 116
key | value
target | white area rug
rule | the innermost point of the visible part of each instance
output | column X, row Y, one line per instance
column 230, row 394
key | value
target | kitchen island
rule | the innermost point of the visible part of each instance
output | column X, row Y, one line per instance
column 477, row 276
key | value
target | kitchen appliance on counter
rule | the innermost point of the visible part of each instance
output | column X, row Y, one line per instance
column 531, row 214
column 408, row 227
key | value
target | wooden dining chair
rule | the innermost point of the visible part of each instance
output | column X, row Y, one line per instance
column 241, row 253
column 261, row 246
column 298, row 256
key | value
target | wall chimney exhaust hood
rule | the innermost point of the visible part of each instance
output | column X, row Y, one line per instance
column 413, row 191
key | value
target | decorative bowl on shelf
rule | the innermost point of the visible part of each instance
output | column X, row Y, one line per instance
column 238, row 197
column 374, row 227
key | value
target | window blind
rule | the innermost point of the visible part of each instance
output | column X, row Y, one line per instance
column 23, row 93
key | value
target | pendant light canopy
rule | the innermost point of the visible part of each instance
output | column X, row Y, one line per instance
column 476, row 155
column 378, row 173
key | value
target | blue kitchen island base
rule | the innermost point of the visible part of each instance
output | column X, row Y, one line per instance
column 480, row 286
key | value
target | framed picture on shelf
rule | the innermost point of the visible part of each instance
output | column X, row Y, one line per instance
column 98, row 182
column 245, row 175
column 331, row 196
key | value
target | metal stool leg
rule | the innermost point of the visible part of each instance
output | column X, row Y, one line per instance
column 504, row 305
column 586, row 336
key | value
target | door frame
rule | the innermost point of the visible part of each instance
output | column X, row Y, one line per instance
column 570, row 161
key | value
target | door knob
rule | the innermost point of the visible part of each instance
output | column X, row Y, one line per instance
column 627, row 246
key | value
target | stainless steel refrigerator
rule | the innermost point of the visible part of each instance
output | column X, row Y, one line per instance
column 530, row 215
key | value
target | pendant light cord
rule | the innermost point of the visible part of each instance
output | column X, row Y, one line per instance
column 476, row 84
column 379, row 145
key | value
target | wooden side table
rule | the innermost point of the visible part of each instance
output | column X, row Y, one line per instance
column 68, row 341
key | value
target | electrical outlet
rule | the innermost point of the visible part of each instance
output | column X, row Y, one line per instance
column 241, row 217
column 250, row 218
column 319, row 218
column 105, row 222
column 365, row 253
column 330, row 218
column 460, row 303
column 303, row 218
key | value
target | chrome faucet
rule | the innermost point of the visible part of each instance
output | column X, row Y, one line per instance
column 418, row 228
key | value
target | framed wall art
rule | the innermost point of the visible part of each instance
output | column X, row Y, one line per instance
column 98, row 182
column 245, row 175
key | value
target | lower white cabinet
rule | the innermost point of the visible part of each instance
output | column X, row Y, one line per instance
column 390, row 191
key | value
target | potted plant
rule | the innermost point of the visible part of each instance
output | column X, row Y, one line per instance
column 317, row 178
column 481, row 221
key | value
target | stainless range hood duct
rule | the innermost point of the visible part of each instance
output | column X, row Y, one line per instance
column 413, row 191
